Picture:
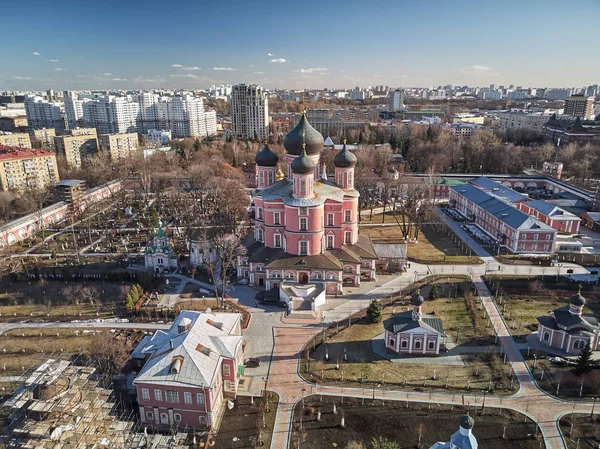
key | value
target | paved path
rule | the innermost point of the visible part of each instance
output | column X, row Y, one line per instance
column 4, row 327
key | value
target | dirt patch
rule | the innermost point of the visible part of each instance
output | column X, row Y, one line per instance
column 397, row 423
column 582, row 431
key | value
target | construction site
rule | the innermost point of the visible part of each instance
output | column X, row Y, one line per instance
column 61, row 405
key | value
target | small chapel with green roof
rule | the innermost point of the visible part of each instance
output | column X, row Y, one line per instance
column 159, row 254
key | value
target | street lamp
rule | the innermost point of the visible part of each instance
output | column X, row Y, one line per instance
column 593, row 407
column 416, row 272
column 457, row 330
column 445, row 254
column 483, row 403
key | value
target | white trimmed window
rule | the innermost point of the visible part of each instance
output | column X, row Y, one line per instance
column 177, row 417
column 149, row 416
column 172, row 396
column 348, row 237
column 303, row 186
column 270, row 177
column 187, row 397
column 145, row 394
column 303, row 223
column 260, row 213
column 350, row 178
column 329, row 219
column 276, row 218
column 303, row 247
column 261, row 177
column 348, row 215
column 226, row 370
column 158, row 395
column 200, row 398
column 330, row 241
column 277, row 240
column 303, row 210
column 261, row 235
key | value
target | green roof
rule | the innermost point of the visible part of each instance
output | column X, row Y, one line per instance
column 448, row 182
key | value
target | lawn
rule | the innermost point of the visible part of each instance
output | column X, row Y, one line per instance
column 246, row 424
column 409, row 425
column 433, row 246
column 581, row 431
column 523, row 299
column 362, row 363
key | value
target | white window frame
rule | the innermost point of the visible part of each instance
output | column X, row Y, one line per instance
column 332, row 237
column 347, row 237
column 303, row 210
column 260, row 213
column 300, row 243
column 187, row 397
column 199, row 398
column 303, row 224
column 226, row 370
column 277, row 240
column 158, row 395
column 330, row 219
column 277, row 218
column 145, row 394
column 172, row 396
column 347, row 215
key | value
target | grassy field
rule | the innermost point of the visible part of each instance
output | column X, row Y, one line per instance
column 363, row 363
column 433, row 246
column 523, row 299
column 409, row 425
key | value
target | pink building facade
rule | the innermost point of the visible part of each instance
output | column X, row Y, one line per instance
column 306, row 225
column 188, row 371
column 555, row 217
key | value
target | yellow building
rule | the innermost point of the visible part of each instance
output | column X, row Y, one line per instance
column 20, row 169
column 45, row 136
column 120, row 145
column 21, row 140
column 81, row 143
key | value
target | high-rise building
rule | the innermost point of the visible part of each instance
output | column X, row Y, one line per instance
column 249, row 112
column 81, row 143
column 148, row 111
column 45, row 137
column 74, row 110
column 19, row 140
column 112, row 115
column 43, row 114
column 119, row 146
column 580, row 105
column 21, row 168
column 396, row 100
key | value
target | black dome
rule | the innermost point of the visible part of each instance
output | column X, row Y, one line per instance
column 417, row 299
column 303, row 132
column 303, row 164
column 577, row 300
column 466, row 422
column 344, row 159
column 266, row 157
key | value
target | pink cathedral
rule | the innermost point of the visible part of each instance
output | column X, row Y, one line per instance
column 306, row 225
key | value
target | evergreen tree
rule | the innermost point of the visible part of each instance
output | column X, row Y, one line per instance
column 577, row 124
column 583, row 361
column 360, row 137
column 374, row 311
column 433, row 293
column 129, row 302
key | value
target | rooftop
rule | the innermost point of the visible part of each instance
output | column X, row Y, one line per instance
column 499, row 190
column 7, row 153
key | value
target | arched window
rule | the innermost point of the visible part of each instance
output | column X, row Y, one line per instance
column 404, row 344
column 546, row 336
column 392, row 342
column 431, row 344
column 417, row 344
column 202, row 420
column 579, row 344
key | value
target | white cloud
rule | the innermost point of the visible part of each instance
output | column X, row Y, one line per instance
column 312, row 70
column 258, row 73
column 119, row 79
column 476, row 69
column 278, row 61
column 176, row 65
column 107, row 74
column 191, row 68
column 251, row 65
column 36, row 53
column 224, row 69
column 269, row 54
column 58, row 69
column 187, row 75
column 156, row 79
column 22, row 77
column 52, row 60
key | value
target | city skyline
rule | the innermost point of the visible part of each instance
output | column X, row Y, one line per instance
column 69, row 45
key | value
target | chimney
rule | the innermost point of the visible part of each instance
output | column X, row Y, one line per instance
column 171, row 343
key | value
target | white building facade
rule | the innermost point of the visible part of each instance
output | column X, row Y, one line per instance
column 249, row 112
column 43, row 114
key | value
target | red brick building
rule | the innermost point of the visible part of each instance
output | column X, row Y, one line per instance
column 561, row 220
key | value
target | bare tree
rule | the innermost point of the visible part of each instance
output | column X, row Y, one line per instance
column 110, row 352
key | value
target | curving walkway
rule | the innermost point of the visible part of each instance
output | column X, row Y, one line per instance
column 529, row 400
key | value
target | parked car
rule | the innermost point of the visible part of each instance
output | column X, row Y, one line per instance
column 252, row 363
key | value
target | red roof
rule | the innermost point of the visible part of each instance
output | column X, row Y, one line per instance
column 21, row 153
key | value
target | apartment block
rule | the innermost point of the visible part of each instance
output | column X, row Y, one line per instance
column 81, row 143
column 119, row 145
column 45, row 137
column 249, row 112
column 20, row 140
column 580, row 105
column 21, row 168
column 43, row 114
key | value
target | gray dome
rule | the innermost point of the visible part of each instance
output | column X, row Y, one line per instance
column 303, row 164
column 466, row 422
column 345, row 158
column 417, row 299
column 266, row 157
column 303, row 132
column 577, row 300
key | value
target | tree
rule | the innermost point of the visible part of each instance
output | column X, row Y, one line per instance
column 433, row 293
column 110, row 352
column 383, row 443
column 374, row 311
column 583, row 360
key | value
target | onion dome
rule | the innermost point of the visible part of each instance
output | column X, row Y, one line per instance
column 577, row 299
column 345, row 158
column 303, row 164
column 417, row 299
column 279, row 175
column 466, row 422
column 303, row 132
column 266, row 157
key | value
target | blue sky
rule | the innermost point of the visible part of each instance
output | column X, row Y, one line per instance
column 83, row 44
